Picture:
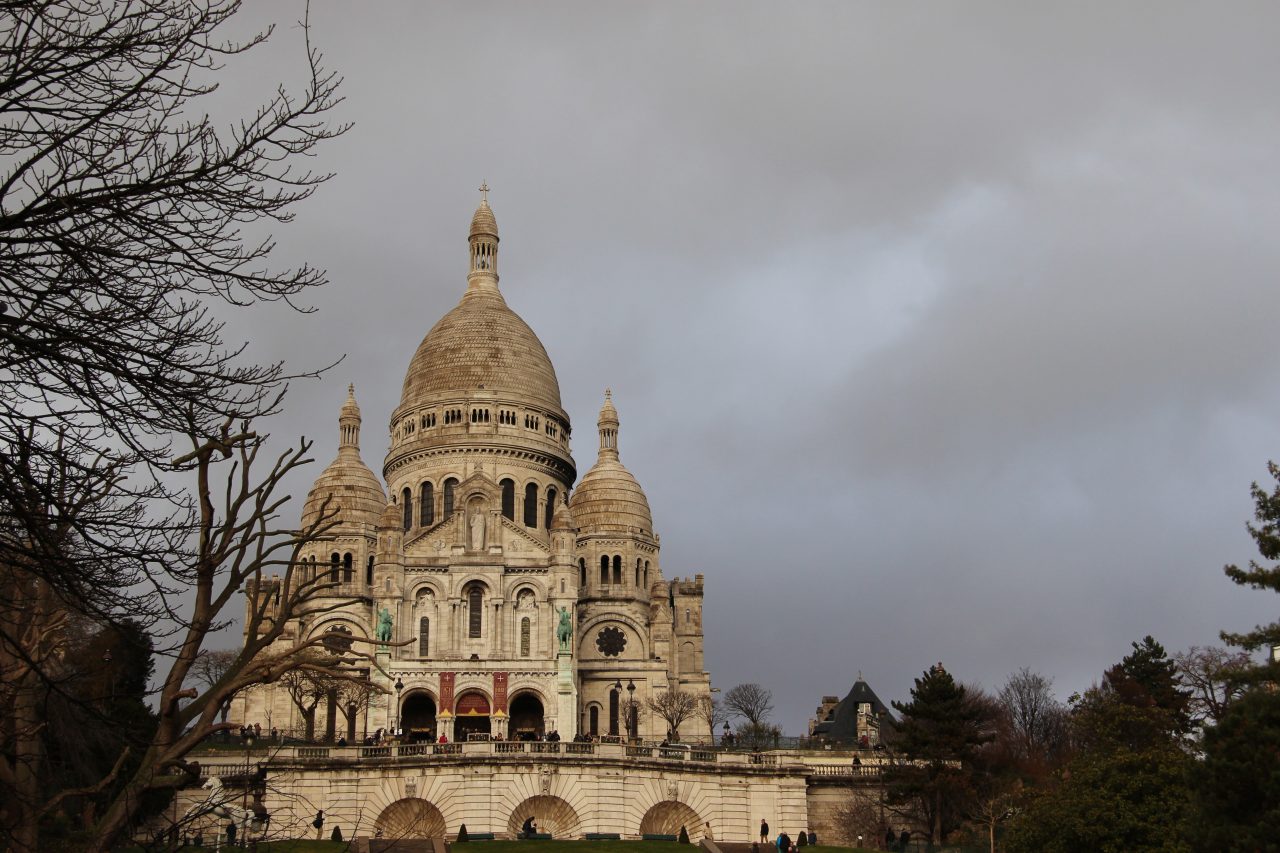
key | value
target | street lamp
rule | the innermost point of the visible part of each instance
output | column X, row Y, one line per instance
column 396, row 722
column 727, row 733
column 244, row 794
column 617, row 692
column 631, row 708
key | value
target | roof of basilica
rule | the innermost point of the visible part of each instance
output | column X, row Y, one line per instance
column 482, row 345
column 609, row 498
column 347, row 483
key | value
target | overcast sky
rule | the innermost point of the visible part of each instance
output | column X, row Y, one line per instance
column 937, row 332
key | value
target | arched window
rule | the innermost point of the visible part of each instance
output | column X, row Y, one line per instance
column 333, row 567
column 613, row 711
column 686, row 616
column 524, row 637
column 509, row 499
column 449, row 486
column 311, row 575
column 617, row 569
column 531, row 505
column 551, row 506
column 646, row 574
column 347, row 574
column 368, row 572
column 637, row 572
column 593, row 727
column 406, row 498
column 475, row 610
column 424, row 635
column 582, row 573
column 427, row 505
column 604, row 570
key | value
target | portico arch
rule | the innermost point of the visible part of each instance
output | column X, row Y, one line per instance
column 471, row 715
column 552, row 814
column 418, row 715
column 666, row 818
column 410, row 818
column 526, row 713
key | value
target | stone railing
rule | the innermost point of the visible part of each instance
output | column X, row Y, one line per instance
column 845, row 770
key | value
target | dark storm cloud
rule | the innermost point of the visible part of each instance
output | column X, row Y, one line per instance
column 935, row 332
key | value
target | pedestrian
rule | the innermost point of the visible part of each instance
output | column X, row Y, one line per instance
column 888, row 838
column 764, row 831
column 444, row 738
column 530, row 827
column 813, row 838
column 231, row 833
column 784, row 843
column 904, row 839
column 707, row 834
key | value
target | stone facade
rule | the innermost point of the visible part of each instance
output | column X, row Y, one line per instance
column 480, row 548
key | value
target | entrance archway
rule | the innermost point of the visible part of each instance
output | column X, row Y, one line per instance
column 668, row 816
column 418, row 716
column 552, row 814
column 410, row 818
column 471, row 716
column 527, row 718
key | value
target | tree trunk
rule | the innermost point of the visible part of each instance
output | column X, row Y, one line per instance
column 28, row 761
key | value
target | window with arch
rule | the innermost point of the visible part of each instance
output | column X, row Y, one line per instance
column 531, row 505
column 617, row 569
column 475, row 609
column 450, row 486
column 524, row 637
column 551, row 506
column 686, row 616
column 613, row 711
column 593, row 718
column 368, row 572
column 646, row 574
column 582, row 573
column 348, row 573
column 509, row 499
column 311, row 572
column 424, row 636
column 604, row 570
column 406, row 498
column 426, row 504
column 637, row 571
column 333, row 567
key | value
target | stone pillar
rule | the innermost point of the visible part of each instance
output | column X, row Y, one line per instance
column 381, row 717
column 567, row 695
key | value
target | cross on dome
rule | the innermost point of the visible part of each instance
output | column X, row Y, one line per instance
column 484, row 191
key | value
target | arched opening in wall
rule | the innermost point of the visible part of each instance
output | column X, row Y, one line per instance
column 509, row 499
column 406, row 510
column 410, row 818
column 593, row 720
column 531, row 505
column 553, row 816
column 582, row 573
column 551, row 507
column 475, row 609
column 368, row 572
column 604, row 570
column 424, row 637
column 617, row 569
column 526, row 721
column 450, row 486
column 646, row 574
column 524, row 637
column 418, row 716
column 471, row 716
column 348, row 572
column 614, row 696
column 637, row 572
column 333, row 567
column 426, row 504
column 668, row 816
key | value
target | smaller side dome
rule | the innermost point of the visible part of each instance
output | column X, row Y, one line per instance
column 483, row 223
column 347, row 484
column 562, row 518
column 609, row 498
column 390, row 519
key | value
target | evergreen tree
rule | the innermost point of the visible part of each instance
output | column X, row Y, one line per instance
column 1266, row 534
column 1237, row 785
column 941, row 730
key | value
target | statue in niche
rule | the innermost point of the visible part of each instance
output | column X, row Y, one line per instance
column 477, row 530
column 384, row 625
column 564, row 631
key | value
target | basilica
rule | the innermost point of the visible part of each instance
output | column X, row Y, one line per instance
column 493, row 597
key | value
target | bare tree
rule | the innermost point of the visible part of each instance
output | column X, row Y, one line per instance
column 672, row 707
column 1215, row 678
column 712, row 712
column 209, row 668
column 306, row 688
column 124, row 212
column 1036, row 720
column 751, row 702
column 352, row 698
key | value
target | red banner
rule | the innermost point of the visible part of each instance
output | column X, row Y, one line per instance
column 500, row 691
column 446, row 691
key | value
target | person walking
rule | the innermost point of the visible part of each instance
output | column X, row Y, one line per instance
column 764, row 831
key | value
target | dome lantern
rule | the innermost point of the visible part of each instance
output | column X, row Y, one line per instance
column 608, row 424
column 483, row 239
column 349, row 425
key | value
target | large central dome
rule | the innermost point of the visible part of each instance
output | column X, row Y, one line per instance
column 482, row 345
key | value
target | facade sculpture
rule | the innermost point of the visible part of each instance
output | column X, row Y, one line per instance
column 485, row 565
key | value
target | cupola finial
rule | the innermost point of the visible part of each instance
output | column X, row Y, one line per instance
column 483, row 239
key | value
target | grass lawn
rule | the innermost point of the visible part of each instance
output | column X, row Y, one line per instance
column 553, row 846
